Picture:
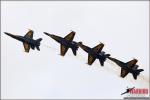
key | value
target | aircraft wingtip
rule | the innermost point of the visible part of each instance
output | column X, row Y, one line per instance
column 29, row 29
column 73, row 31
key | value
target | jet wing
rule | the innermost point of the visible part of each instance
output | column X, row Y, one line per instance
column 29, row 34
column 98, row 48
column 64, row 49
column 70, row 36
column 132, row 62
column 123, row 72
column 91, row 59
column 26, row 47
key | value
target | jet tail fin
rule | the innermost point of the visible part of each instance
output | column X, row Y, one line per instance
column 136, row 73
column 38, row 48
column 101, row 62
column 39, row 40
column 103, row 59
column 32, row 46
column 38, row 43
column 74, row 51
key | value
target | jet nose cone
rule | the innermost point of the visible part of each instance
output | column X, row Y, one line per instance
column 8, row 34
column 47, row 34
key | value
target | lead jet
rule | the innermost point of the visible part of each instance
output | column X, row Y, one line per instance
column 95, row 53
column 66, row 43
column 27, row 40
column 128, row 67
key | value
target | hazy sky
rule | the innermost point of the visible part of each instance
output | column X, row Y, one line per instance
column 123, row 26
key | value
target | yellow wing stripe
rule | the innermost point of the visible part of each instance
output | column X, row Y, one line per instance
column 70, row 36
column 26, row 47
column 124, row 72
column 63, row 50
column 29, row 34
column 90, row 59
column 98, row 48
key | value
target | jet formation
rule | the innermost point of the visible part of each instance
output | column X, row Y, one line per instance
column 93, row 53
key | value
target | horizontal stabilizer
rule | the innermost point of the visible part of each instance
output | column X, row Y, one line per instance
column 39, row 40
column 136, row 73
